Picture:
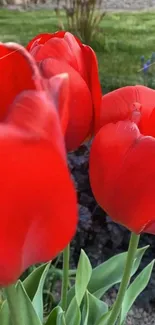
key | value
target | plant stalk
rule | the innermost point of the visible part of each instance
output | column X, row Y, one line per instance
column 134, row 240
column 65, row 278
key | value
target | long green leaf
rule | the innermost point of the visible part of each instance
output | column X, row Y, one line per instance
column 84, row 271
column 28, row 311
column 4, row 314
column 53, row 316
column 73, row 314
column 110, row 272
column 31, row 283
column 135, row 288
column 38, row 297
column 97, row 308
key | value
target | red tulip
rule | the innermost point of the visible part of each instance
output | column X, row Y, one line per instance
column 38, row 202
column 122, row 175
column 62, row 52
column 120, row 104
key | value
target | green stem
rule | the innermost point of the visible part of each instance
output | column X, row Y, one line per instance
column 134, row 240
column 14, row 305
column 65, row 279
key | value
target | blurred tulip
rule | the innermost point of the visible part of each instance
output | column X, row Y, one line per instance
column 62, row 52
column 38, row 202
column 122, row 175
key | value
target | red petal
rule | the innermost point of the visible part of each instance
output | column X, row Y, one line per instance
column 43, row 38
column 66, row 49
column 120, row 104
column 117, row 105
column 16, row 77
column 122, row 174
column 80, row 107
column 91, row 67
column 35, row 114
column 146, row 97
column 38, row 205
column 59, row 93
column 77, row 54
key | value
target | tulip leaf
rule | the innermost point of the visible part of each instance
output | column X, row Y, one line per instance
column 61, row 320
column 53, row 316
column 103, row 320
column 29, row 315
column 84, row 271
column 38, row 297
column 135, row 288
column 93, row 309
column 85, row 310
column 4, row 314
column 110, row 272
column 73, row 314
column 31, row 283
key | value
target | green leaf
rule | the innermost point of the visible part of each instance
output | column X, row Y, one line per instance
column 73, row 314
column 53, row 316
column 61, row 320
column 4, row 314
column 28, row 311
column 135, row 288
column 103, row 320
column 85, row 311
column 110, row 272
column 93, row 309
column 31, row 283
column 70, row 294
column 84, row 271
column 38, row 297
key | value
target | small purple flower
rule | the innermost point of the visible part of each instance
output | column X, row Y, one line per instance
column 142, row 58
column 145, row 68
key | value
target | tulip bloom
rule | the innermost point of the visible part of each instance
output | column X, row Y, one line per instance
column 122, row 175
column 62, row 52
column 38, row 202
column 120, row 104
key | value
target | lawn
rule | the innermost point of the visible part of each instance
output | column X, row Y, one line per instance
column 123, row 38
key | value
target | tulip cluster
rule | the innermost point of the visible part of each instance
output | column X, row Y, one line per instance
column 51, row 102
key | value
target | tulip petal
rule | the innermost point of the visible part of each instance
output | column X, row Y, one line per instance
column 119, row 104
column 93, row 83
column 58, row 87
column 80, row 107
column 38, row 205
column 33, row 113
column 16, row 77
column 122, row 174
column 64, row 49
column 42, row 38
column 78, row 63
column 146, row 97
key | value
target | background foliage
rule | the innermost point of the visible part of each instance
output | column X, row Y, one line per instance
column 122, row 40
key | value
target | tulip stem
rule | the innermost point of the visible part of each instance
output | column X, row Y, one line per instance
column 134, row 240
column 65, row 278
column 14, row 305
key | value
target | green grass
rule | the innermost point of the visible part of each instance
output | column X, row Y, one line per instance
column 123, row 38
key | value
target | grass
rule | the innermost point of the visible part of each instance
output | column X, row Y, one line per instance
column 123, row 38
